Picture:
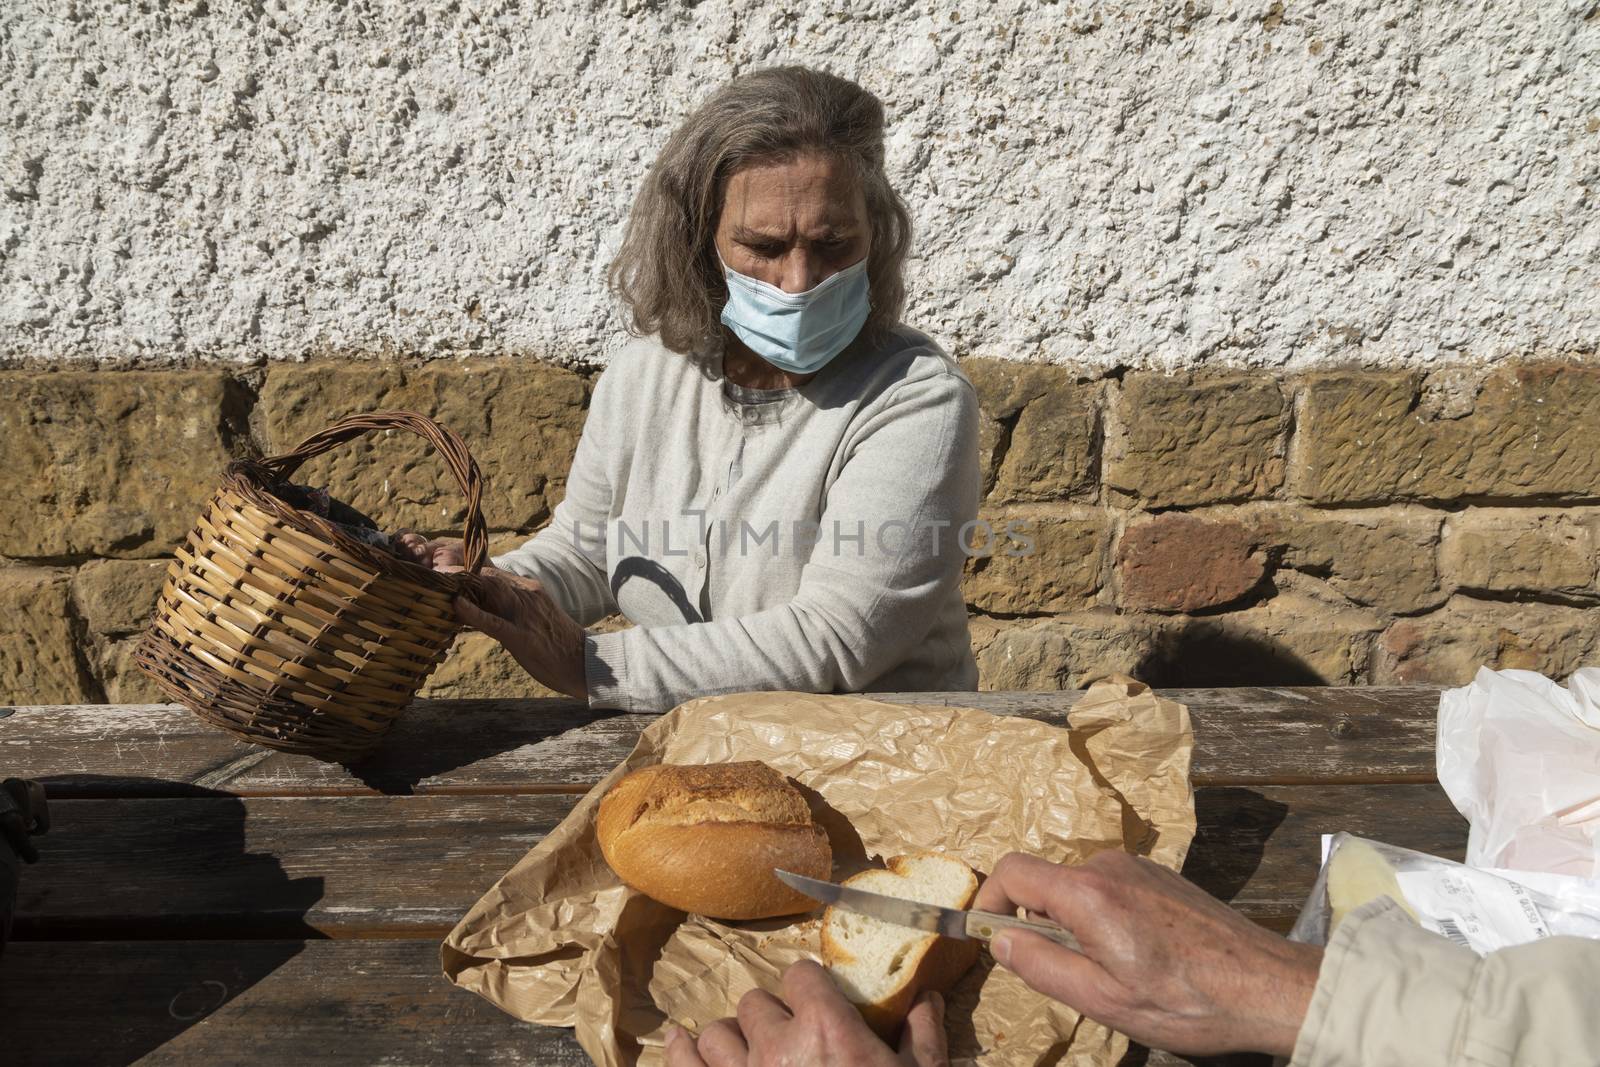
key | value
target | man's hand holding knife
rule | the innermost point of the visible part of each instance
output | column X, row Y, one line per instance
column 1157, row 959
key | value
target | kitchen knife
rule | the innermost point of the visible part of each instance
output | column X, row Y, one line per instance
column 950, row 922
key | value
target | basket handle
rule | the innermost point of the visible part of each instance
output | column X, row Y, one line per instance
column 475, row 536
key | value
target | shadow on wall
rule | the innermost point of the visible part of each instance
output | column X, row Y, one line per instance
column 1201, row 656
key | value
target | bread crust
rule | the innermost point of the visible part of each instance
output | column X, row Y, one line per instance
column 705, row 838
column 937, row 964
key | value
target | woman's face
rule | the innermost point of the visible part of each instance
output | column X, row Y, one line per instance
column 793, row 224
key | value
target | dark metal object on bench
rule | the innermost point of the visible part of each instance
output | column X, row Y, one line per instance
column 22, row 816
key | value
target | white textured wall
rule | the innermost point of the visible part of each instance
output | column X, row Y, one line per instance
column 1262, row 183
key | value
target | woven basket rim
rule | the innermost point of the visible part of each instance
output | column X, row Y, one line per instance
column 249, row 479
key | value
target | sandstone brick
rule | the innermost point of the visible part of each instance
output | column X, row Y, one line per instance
column 477, row 667
column 1056, row 566
column 112, row 463
column 1379, row 436
column 520, row 419
column 122, row 681
column 116, row 596
column 1039, row 433
column 1384, row 558
column 1448, row 646
column 1177, row 562
column 1512, row 550
column 501, row 543
column 38, row 658
column 1300, row 637
column 1180, row 440
column 1295, row 638
column 1065, row 652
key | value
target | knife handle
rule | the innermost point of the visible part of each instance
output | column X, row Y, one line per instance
column 985, row 924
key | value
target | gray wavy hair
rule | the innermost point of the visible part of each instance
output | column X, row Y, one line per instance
column 767, row 116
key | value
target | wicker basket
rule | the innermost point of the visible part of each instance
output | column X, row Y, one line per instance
column 282, row 629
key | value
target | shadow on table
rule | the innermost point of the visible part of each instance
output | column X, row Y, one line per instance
column 1203, row 655
column 128, row 927
column 1232, row 828
column 436, row 737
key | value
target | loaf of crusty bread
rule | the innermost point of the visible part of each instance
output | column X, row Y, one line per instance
column 705, row 838
column 882, row 967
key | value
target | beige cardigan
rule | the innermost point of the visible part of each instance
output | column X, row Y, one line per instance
column 1391, row 994
column 691, row 505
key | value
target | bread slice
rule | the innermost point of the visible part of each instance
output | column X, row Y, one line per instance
column 882, row 967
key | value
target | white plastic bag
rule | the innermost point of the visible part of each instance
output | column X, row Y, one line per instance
column 1480, row 910
column 1519, row 756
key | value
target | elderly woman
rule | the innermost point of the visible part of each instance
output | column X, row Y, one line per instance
column 774, row 474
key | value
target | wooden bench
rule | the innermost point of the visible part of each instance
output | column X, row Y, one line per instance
column 202, row 901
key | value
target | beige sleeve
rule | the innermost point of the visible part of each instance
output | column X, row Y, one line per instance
column 1391, row 994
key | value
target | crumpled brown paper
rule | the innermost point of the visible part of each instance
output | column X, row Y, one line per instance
column 560, row 941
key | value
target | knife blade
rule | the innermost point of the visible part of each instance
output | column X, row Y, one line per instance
column 930, row 918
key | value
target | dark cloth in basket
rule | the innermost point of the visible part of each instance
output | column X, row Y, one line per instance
column 321, row 502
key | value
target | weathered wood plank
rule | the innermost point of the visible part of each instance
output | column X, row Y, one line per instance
column 381, row 866
column 273, row 867
column 198, row 1003
column 437, row 746
column 1280, row 735
column 333, row 1003
column 1143, row 1057
column 1260, row 848
column 464, row 746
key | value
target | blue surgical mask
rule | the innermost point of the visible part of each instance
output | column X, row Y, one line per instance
column 798, row 332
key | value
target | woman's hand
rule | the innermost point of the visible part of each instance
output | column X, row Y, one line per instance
column 1162, row 961
column 434, row 555
column 812, row 1025
column 518, row 613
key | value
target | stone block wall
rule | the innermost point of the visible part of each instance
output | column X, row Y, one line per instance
column 1346, row 526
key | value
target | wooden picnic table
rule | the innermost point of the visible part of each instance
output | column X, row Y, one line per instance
column 203, row 901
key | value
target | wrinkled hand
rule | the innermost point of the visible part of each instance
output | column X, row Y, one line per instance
column 1162, row 961
column 436, row 555
column 817, row 1027
column 518, row 613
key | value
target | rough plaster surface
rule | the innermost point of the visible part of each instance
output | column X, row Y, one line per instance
column 1140, row 184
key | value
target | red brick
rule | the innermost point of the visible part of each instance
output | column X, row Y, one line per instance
column 1182, row 563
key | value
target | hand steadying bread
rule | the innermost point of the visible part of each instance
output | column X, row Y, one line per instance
column 706, row 838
